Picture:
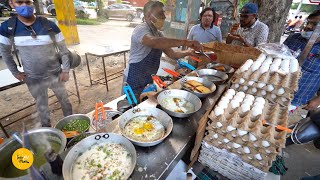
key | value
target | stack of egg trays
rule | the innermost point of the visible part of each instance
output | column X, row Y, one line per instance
column 228, row 164
column 255, row 90
column 245, row 135
column 278, row 80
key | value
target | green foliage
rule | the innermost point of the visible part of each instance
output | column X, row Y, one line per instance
column 87, row 22
column 242, row 3
column 119, row 1
column 308, row 8
column 163, row 1
column 88, row 0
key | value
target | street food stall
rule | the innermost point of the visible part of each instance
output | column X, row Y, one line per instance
column 226, row 111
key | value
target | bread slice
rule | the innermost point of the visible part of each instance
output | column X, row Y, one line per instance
column 194, row 83
column 203, row 89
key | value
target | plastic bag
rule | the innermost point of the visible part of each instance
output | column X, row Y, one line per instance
column 276, row 50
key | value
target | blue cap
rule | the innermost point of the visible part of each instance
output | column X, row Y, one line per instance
column 249, row 8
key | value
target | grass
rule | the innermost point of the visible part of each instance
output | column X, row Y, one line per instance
column 87, row 21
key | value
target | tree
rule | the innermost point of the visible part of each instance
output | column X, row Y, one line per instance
column 274, row 14
column 39, row 7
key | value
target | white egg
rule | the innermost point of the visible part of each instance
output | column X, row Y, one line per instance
column 230, row 128
column 264, row 68
column 263, row 92
column 283, row 99
column 246, row 150
column 241, row 94
column 235, row 104
column 252, row 137
column 218, row 111
column 285, row 65
column 280, row 91
column 236, row 86
column 261, row 100
column 270, row 88
column 219, row 124
column 265, row 143
column 245, row 108
column 241, row 133
column 219, row 142
column 277, row 61
column 258, row 157
column 249, row 157
column 267, row 151
column 250, row 97
column 245, row 88
column 227, row 99
column 228, row 96
column 294, row 65
column 273, row 96
column 269, row 59
column 254, row 90
column 247, row 101
column 256, row 111
column 274, row 68
column 246, row 65
column 225, row 140
column 250, row 83
column 231, row 91
column 255, row 66
column 238, row 98
column 223, row 104
column 241, row 81
column 215, row 136
column 262, row 57
column 236, row 145
column 261, row 85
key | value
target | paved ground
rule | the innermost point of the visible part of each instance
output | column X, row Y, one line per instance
column 301, row 160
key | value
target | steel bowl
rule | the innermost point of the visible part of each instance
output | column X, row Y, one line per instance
column 212, row 75
column 41, row 140
column 77, row 139
column 64, row 121
column 160, row 115
column 203, row 81
column 88, row 142
column 229, row 69
column 180, row 94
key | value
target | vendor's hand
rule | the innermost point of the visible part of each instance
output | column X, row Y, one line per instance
column 20, row 76
column 194, row 45
column 191, row 52
column 236, row 37
column 313, row 104
column 64, row 76
column 234, row 28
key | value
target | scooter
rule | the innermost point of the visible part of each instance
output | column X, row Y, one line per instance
column 306, row 130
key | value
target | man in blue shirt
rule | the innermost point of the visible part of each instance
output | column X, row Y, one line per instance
column 309, row 83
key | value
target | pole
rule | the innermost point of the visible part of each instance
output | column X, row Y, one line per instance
column 188, row 19
column 67, row 21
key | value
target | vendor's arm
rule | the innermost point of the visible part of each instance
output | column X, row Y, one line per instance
column 178, row 54
column 5, row 50
column 235, row 37
column 313, row 104
column 165, row 43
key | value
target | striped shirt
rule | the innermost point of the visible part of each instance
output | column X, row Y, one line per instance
column 309, row 82
column 37, row 54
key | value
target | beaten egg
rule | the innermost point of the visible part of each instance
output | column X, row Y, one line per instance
column 144, row 129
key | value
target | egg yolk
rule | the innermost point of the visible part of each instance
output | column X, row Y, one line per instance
column 138, row 130
column 148, row 126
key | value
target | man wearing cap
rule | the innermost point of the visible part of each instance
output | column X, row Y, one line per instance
column 252, row 32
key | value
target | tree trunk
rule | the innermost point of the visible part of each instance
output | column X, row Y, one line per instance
column 100, row 6
column 274, row 14
column 38, row 6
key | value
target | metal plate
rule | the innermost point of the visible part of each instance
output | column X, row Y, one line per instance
column 181, row 94
column 160, row 115
column 212, row 75
column 203, row 81
column 88, row 142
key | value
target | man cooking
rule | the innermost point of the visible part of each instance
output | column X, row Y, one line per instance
column 252, row 32
column 147, row 45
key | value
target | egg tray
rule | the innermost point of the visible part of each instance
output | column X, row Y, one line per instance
column 228, row 164
column 246, row 150
column 272, row 113
column 283, row 100
column 278, row 80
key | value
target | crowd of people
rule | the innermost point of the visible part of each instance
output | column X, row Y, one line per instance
column 43, row 70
